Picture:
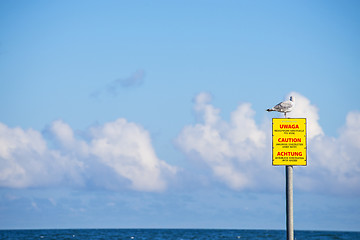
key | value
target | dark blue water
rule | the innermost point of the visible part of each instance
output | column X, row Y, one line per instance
column 173, row 234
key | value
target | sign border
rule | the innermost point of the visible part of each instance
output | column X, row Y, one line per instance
column 272, row 140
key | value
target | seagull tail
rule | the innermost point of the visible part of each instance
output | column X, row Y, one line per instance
column 270, row 109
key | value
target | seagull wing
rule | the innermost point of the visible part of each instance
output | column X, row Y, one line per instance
column 284, row 106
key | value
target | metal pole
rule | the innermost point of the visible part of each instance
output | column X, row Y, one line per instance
column 289, row 203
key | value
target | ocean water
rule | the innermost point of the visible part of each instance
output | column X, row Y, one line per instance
column 171, row 234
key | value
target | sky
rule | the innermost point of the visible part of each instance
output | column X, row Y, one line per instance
column 151, row 114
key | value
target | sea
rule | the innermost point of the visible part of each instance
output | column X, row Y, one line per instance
column 170, row 234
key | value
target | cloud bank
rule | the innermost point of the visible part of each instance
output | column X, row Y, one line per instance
column 235, row 153
column 238, row 151
column 114, row 155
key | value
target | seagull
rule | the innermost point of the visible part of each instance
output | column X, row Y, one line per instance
column 284, row 107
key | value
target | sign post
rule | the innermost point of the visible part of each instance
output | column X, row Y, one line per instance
column 289, row 149
column 289, row 203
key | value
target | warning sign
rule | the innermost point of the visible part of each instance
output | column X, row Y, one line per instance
column 289, row 141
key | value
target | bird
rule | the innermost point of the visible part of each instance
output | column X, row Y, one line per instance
column 284, row 107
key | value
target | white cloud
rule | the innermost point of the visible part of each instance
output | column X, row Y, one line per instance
column 238, row 152
column 63, row 134
column 123, row 149
column 127, row 149
column 26, row 161
column 229, row 149
column 334, row 163
column 351, row 132
column 304, row 109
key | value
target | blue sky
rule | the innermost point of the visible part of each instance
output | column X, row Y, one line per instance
column 152, row 113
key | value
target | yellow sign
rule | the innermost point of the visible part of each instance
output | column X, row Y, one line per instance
column 289, row 141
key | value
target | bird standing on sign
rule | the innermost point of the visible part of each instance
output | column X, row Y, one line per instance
column 284, row 107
